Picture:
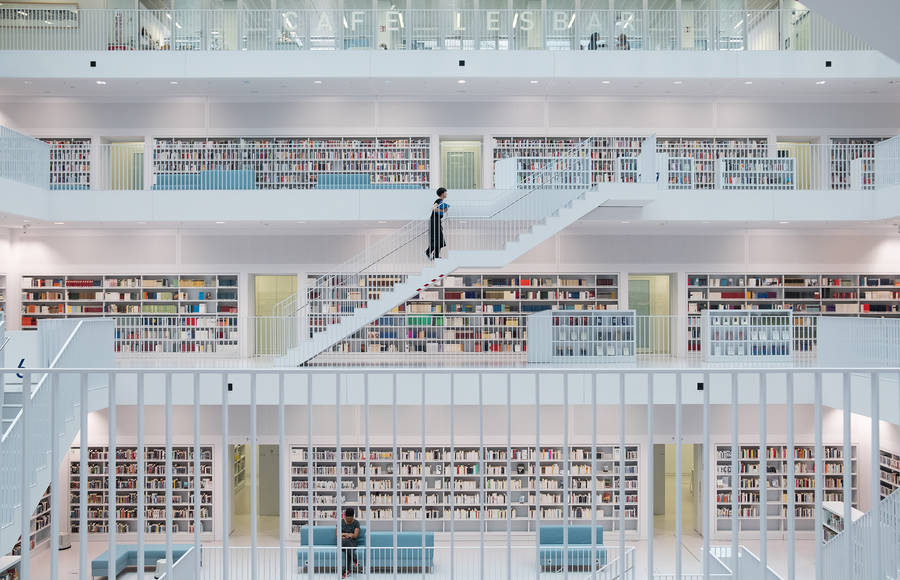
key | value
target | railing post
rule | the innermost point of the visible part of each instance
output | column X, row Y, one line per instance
column 25, row 477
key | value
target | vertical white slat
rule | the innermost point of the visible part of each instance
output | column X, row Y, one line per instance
column 141, row 470
column 819, row 477
column 763, row 476
column 875, row 385
column 310, row 464
column 395, row 508
column 283, row 506
column 26, row 475
column 111, row 467
column 254, row 483
column 368, row 469
column 706, row 488
column 198, row 502
column 621, row 471
column 565, row 458
column 169, row 478
column 537, row 468
column 452, row 475
column 54, row 474
column 509, row 476
column 83, row 562
column 678, row 494
column 791, row 482
column 227, row 483
column 425, row 467
column 735, row 474
column 481, row 480
column 338, row 451
column 651, row 384
column 848, row 474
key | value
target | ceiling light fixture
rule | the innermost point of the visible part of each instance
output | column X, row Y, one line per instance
column 59, row 223
column 534, row 82
column 461, row 81
column 301, row 222
column 382, row 222
column 625, row 222
column 676, row 82
column 748, row 82
column 173, row 82
column 220, row 223
column 178, row 26
column 820, row 82
column 317, row 82
column 605, row 82
column 142, row 223
column 101, row 82
column 169, row 16
column 784, row 223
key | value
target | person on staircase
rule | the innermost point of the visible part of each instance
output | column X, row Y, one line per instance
column 439, row 210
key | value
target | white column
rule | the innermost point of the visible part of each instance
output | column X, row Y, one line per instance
column 141, row 470
column 83, row 562
column 198, row 502
column 678, row 490
column 169, row 516
column 54, row 476
column 111, row 467
column 254, row 483
column 284, row 492
column 226, row 481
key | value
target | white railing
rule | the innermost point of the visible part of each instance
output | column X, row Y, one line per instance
column 71, row 28
column 184, row 568
column 858, row 341
column 24, row 159
column 874, row 538
column 426, row 409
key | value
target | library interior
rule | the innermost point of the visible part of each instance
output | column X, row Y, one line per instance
column 595, row 290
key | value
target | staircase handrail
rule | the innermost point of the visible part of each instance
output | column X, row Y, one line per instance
column 417, row 230
column 866, row 533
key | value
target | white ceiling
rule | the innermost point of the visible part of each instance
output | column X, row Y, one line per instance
column 834, row 90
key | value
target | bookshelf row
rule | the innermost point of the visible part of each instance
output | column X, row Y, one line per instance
column 126, row 485
column 2, row 293
column 467, row 313
column 890, row 473
column 748, row 485
column 297, row 162
column 40, row 525
column 70, row 163
column 154, row 313
column 468, row 486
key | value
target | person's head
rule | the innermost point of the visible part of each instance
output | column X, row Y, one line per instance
column 442, row 192
column 349, row 513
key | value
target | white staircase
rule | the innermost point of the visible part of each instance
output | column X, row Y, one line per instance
column 71, row 343
column 487, row 235
column 871, row 549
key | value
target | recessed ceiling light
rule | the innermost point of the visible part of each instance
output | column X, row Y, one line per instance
column 461, row 81
column 624, row 222
column 27, row 82
column 784, row 223
column 605, row 82
column 301, row 222
column 220, row 223
column 173, row 82
column 820, row 82
column 534, row 82
column 142, row 223
column 26, row 221
column 101, row 82
column 748, row 82
column 676, row 82
column 707, row 222
column 382, row 222
column 317, row 82
column 59, row 223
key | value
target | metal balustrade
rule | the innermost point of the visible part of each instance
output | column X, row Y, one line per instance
column 471, row 411
column 58, row 29
column 24, row 159
column 873, row 541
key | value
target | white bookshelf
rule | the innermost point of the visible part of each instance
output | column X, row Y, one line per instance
column 747, row 335
column 853, row 158
column 70, row 163
column 9, row 567
column 476, row 314
column 532, row 152
column 154, row 313
column 833, row 518
column 890, row 473
column 472, row 486
column 704, row 151
column 2, row 293
column 756, row 173
column 297, row 162
column 40, row 525
column 559, row 336
column 679, row 173
column 776, row 488
column 126, row 485
column 239, row 466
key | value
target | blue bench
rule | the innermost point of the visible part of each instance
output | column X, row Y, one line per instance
column 170, row 181
column 228, row 179
column 581, row 555
column 324, row 547
column 414, row 550
column 126, row 557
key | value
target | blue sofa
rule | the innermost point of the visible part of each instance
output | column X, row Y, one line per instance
column 126, row 557
column 412, row 551
column 228, row 179
column 581, row 555
column 170, row 181
column 325, row 547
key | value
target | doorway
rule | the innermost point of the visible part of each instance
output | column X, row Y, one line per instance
column 122, row 165
column 461, row 164
column 267, row 496
column 271, row 335
column 664, row 482
column 650, row 298
column 809, row 167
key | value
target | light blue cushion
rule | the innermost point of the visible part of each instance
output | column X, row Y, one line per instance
column 228, row 179
column 580, row 554
column 410, row 552
column 126, row 557
column 169, row 181
column 325, row 546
